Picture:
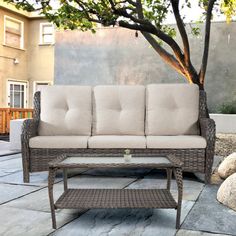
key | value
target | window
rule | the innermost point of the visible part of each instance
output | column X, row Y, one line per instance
column 46, row 33
column 13, row 30
column 38, row 85
column 17, row 94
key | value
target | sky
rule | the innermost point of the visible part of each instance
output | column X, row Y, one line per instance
column 193, row 13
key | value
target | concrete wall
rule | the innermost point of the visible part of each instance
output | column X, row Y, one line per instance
column 225, row 123
column 8, row 70
column 116, row 56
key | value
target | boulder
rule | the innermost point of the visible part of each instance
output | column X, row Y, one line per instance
column 227, row 192
column 228, row 166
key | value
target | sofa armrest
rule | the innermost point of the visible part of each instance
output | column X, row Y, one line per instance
column 208, row 131
column 29, row 129
column 207, row 128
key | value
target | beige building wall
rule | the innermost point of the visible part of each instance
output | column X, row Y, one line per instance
column 9, row 70
column 40, row 58
column 36, row 62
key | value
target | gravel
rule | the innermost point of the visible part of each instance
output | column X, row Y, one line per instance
column 225, row 144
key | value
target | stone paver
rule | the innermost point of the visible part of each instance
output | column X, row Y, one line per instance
column 5, row 148
column 9, row 157
column 214, row 179
column 191, row 190
column 11, row 172
column 20, row 222
column 183, row 232
column 25, row 207
column 125, row 222
column 36, row 179
column 14, row 164
column 41, row 196
column 217, row 161
column 10, row 166
column 9, row 192
column 118, row 172
column 211, row 216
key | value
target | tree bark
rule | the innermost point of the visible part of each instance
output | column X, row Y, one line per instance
column 206, row 42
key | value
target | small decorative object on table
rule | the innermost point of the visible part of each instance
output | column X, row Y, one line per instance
column 127, row 155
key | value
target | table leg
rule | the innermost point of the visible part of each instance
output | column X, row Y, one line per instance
column 179, row 180
column 51, row 178
column 169, row 175
column 65, row 179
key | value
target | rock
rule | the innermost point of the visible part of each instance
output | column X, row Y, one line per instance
column 227, row 192
column 215, row 178
column 228, row 166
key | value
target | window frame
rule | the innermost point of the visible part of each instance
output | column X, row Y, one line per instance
column 36, row 82
column 6, row 17
column 42, row 24
column 17, row 82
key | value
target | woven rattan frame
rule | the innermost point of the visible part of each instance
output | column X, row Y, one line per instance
column 195, row 160
column 116, row 198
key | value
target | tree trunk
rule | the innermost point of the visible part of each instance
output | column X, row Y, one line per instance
column 194, row 77
column 196, row 80
column 201, row 86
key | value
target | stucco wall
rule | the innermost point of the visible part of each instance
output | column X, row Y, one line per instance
column 36, row 62
column 8, row 70
column 40, row 59
column 116, row 56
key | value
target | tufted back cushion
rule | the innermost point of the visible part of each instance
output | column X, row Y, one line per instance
column 119, row 110
column 172, row 109
column 66, row 110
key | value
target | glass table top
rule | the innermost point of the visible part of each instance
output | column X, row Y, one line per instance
column 115, row 160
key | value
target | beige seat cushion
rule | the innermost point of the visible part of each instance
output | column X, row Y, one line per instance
column 176, row 142
column 119, row 110
column 172, row 109
column 66, row 110
column 59, row 142
column 113, row 141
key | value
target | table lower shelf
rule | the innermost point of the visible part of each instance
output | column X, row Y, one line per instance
column 116, row 198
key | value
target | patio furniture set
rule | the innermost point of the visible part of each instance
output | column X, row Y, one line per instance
column 165, row 126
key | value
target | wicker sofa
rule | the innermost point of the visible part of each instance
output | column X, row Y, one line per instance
column 150, row 120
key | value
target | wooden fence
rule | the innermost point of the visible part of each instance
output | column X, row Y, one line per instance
column 7, row 114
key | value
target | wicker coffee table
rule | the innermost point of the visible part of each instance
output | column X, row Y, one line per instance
column 115, row 198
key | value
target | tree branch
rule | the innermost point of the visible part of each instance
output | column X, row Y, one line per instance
column 177, row 64
column 167, row 57
column 181, row 28
column 143, row 25
column 206, row 41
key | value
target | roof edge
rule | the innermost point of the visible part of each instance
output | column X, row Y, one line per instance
column 11, row 7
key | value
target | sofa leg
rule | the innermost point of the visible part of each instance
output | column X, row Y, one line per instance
column 26, row 176
column 208, row 177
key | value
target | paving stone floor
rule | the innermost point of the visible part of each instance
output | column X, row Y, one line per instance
column 5, row 148
column 24, row 208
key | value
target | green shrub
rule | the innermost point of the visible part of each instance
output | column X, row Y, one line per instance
column 228, row 108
